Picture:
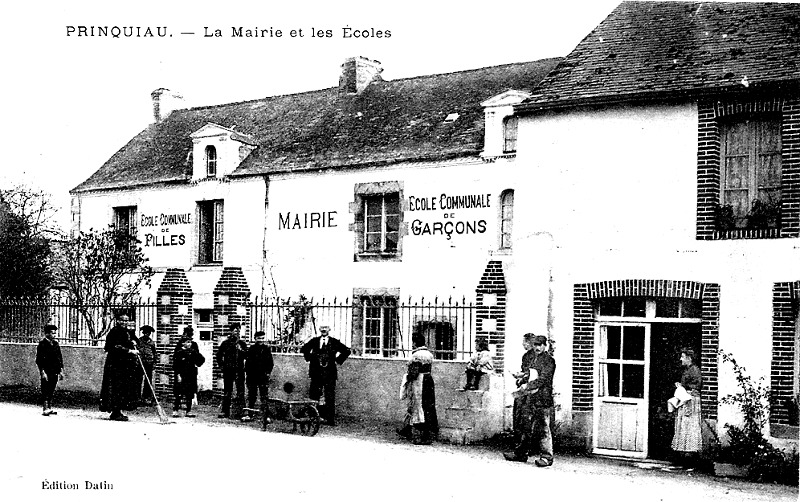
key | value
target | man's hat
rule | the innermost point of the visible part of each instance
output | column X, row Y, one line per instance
column 147, row 329
column 539, row 340
column 50, row 328
column 258, row 335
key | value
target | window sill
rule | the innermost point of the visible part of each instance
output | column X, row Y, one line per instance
column 378, row 257
column 744, row 233
column 207, row 265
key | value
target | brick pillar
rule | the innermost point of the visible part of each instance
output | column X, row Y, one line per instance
column 174, row 312
column 231, row 295
column 491, row 316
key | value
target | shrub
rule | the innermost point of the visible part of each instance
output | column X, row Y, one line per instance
column 746, row 443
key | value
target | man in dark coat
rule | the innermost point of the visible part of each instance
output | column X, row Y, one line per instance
column 186, row 358
column 121, row 373
column 231, row 355
column 323, row 354
column 537, row 388
column 258, row 367
column 147, row 351
column 51, row 366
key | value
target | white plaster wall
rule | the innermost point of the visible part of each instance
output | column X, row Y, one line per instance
column 321, row 260
column 243, row 223
column 612, row 193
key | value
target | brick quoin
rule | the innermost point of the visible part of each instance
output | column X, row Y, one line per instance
column 785, row 298
column 173, row 293
column 584, row 328
column 493, row 281
column 708, row 164
column 231, row 302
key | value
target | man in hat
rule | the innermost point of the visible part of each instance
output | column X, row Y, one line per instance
column 324, row 353
column 148, row 354
column 535, row 390
column 51, row 365
column 257, row 367
column 121, row 373
column 231, row 355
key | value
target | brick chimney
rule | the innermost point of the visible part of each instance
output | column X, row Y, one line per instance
column 358, row 73
column 164, row 102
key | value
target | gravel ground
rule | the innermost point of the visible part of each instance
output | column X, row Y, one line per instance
column 367, row 454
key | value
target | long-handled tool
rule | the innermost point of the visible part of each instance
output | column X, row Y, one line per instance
column 161, row 415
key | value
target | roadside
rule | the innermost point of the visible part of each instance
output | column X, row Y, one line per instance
column 84, row 405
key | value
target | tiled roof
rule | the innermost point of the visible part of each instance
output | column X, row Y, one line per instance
column 390, row 121
column 662, row 50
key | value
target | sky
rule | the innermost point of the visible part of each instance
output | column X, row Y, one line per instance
column 71, row 101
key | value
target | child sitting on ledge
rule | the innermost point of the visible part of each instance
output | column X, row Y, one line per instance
column 479, row 363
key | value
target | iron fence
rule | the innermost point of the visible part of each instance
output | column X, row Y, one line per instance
column 373, row 326
column 22, row 320
column 379, row 326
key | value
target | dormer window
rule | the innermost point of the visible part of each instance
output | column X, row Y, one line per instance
column 501, row 124
column 211, row 161
column 510, row 134
column 217, row 151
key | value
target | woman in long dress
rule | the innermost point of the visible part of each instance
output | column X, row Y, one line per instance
column 687, row 441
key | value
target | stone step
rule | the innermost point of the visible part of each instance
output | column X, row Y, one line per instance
column 468, row 399
column 460, row 417
column 455, row 435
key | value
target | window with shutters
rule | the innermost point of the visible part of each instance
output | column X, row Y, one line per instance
column 211, row 231
column 125, row 222
column 510, row 125
column 750, row 165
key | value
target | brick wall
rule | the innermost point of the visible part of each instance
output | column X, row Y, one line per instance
column 174, row 310
column 230, row 306
column 584, row 324
column 491, row 313
column 785, row 297
column 708, row 165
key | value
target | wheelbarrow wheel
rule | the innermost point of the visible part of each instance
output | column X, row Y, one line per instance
column 308, row 419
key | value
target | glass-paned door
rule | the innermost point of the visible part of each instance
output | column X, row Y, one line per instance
column 621, row 389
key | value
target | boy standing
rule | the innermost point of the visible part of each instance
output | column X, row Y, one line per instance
column 257, row 368
column 51, row 364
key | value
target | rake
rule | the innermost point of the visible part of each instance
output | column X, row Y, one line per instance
column 161, row 415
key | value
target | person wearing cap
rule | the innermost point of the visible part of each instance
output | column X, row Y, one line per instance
column 121, row 372
column 231, row 355
column 148, row 354
column 537, row 389
column 186, row 358
column 324, row 353
column 51, row 366
column 257, row 368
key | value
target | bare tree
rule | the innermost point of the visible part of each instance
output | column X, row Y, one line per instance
column 101, row 271
column 35, row 207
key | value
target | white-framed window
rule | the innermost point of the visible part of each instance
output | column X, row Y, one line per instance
column 510, row 125
column 506, row 218
column 381, row 223
column 211, row 161
column 378, row 221
column 751, row 171
column 381, row 325
column 211, row 231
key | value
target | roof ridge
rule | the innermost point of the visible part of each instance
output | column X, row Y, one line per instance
column 404, row 79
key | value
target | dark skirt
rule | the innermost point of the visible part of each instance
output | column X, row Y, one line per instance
column 121, row 381
column 429, row 404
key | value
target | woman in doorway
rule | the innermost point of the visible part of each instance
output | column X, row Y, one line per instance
column 687, row 441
